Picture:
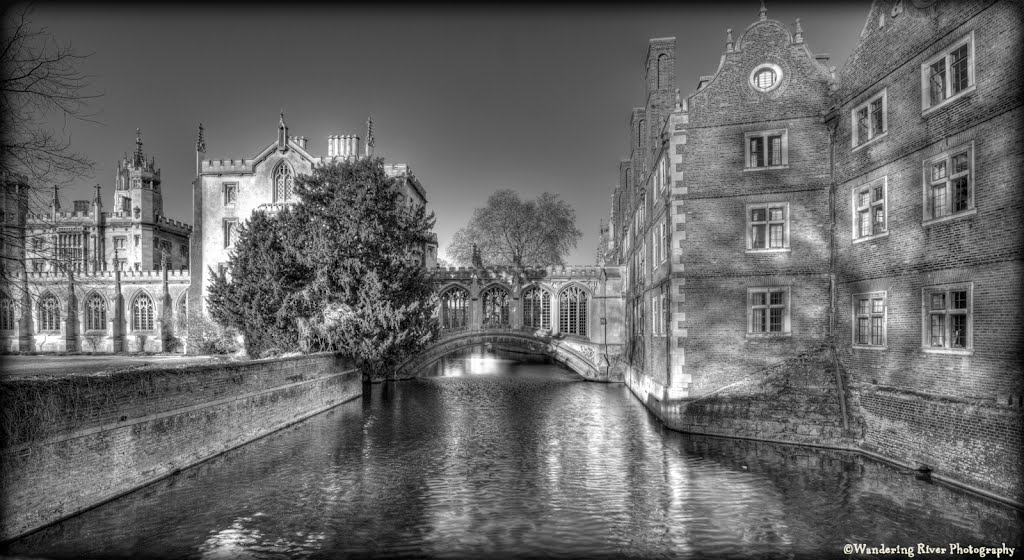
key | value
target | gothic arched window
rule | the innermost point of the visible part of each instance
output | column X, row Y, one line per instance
column 536, row 308
column 572, row 311
column 283, row 181
column 495, row 307
column 142, row 313
column 95, row 313
column 49, row 313
column 6, row 312
column 453, row 308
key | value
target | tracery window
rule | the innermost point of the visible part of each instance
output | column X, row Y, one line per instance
column 49, row 313
column 283, row 181
column 6, row 312
column 182, row 322
column 496, row 307
column 95, row 313
column 454, row 308
column 572, row 311
column 142, row 313
column 536, row 308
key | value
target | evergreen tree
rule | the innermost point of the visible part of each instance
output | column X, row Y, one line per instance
column 334, row 273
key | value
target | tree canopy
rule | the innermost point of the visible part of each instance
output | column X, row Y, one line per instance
column 333, row 273
column 509, row 231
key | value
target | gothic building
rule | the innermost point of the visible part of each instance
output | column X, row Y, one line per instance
column 85, row 279
column 782, row 207
column 227, row 191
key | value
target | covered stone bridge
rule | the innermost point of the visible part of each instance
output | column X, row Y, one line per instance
column 573, row 315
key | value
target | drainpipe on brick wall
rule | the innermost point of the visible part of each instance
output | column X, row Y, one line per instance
column 833, row 127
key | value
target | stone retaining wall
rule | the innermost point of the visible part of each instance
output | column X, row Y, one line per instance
column 73, row 443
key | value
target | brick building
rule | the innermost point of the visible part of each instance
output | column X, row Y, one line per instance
column 782, row 210
column 85, row 279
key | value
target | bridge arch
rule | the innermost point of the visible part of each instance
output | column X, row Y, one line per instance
column 582, row 357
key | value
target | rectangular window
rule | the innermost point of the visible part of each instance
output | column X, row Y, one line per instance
column 137, row 240
column 869, row 319
column 768, row 310
column 120, row 243
column 767, row 149
column 230, row 232
column 870, row 120
column 949, row 183
column 948, row 75
column 126, row 205
column 663, row 241
column 183, row 251
column 948, row 320
column 869, row 211
column 768, row 226
column 230, row 193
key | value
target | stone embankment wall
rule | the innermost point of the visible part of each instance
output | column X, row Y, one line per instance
column 73, row 443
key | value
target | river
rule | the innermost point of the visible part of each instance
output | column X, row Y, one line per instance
column 493, row 458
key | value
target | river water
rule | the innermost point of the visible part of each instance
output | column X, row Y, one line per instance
column 492, row 458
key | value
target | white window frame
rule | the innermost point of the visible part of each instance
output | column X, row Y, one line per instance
column 871, row 313
column 856, row 209
column 766, row 206
column 928, row 310
column 926, row 104
column 766, row 66
column 929, row 183
column 663, row 241
column 786, row 305
column 748, row 161
column 859, row 142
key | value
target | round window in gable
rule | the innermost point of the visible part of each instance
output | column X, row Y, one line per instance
column 766, row 77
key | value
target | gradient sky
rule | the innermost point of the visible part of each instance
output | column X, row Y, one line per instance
column 474, row 99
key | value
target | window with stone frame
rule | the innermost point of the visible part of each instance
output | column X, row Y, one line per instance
column 230, row 231
column 767, row 227
column 8, row 312
column 948, row 318
column 142, row 313
column 95, row 313
column 496, row 309
column 230, row 193
column 454, row 308
column 283, row 183
column 768, row 311
column 949, row 184
column 766, row 149
column 49, row 314
column 948, row 75
column 869, row 120
column 869, row 210
column 120, row 242
column 536, row 308
column 573, row 304
column 869, row 322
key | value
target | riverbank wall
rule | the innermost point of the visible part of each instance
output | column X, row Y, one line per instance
column 75, row 442
column 971, row 444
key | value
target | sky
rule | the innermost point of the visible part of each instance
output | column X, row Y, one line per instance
column 475, row 99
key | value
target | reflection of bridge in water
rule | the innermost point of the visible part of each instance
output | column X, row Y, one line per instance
column 573, row 315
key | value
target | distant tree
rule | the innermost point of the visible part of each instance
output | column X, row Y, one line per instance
column 509, row 231
column 334, row 273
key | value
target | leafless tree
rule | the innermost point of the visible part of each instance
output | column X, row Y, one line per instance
column 512, row 232
column 42, row 91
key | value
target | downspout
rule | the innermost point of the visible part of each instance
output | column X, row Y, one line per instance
column 833, row 128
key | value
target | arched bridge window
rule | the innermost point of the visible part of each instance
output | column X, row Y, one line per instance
column 142, row 313
column 536, row 308
column 283, row 181
column 572, row 311
column 95, row 313
column 495, row 307
column 453, row 308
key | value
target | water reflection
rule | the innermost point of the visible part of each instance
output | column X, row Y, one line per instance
column 519, row 460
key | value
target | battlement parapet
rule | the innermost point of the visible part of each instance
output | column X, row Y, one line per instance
column 177, row 276
column 174, row 223
column 224, row 165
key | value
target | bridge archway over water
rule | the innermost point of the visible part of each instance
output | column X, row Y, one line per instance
column 572, row 315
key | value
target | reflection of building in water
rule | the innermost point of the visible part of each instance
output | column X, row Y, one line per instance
column 61, row 292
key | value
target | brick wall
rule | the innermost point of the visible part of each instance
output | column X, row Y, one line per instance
column 71, row 444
